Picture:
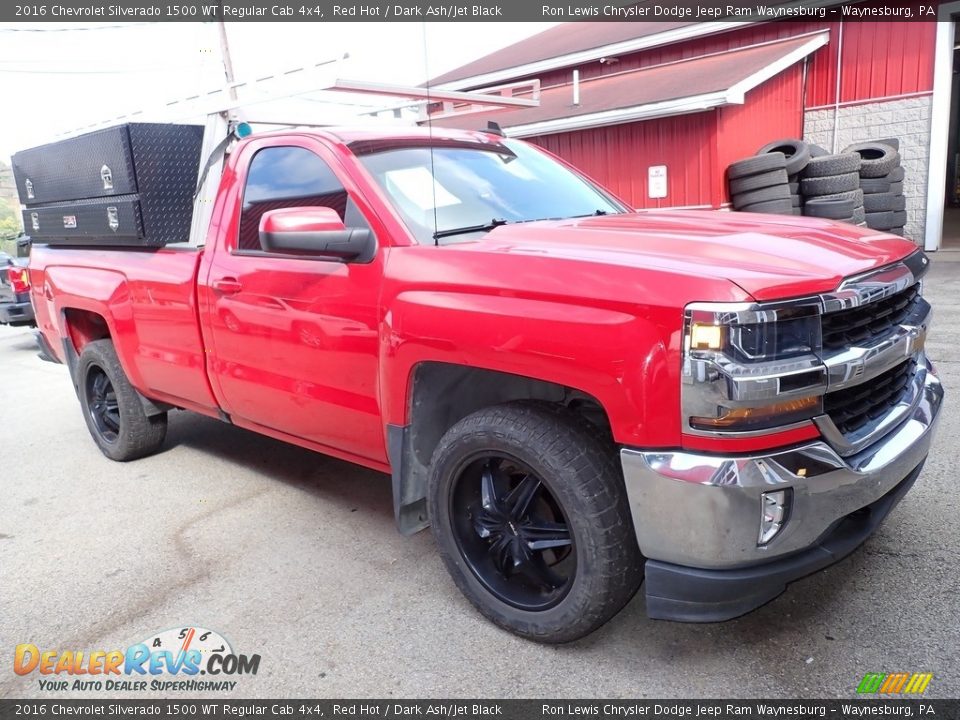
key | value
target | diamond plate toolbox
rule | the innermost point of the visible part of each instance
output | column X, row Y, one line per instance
column 128, row 185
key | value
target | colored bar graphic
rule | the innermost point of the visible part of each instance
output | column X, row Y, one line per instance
column 894, row 683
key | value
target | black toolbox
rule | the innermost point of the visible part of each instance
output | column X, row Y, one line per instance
column 128, row 185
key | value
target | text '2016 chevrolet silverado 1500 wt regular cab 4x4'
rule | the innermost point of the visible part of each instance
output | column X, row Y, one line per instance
column 574, row 396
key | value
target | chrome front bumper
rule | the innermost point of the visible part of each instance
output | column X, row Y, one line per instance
column 704, row 511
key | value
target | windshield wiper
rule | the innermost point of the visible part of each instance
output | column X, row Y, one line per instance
column 496, row 222
column 595, row 213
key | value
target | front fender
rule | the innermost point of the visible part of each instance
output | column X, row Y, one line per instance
column 628, row 363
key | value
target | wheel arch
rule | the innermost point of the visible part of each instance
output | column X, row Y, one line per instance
column 440, row 395
column 82, row 326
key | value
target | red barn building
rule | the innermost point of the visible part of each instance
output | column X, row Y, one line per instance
column 617, row 99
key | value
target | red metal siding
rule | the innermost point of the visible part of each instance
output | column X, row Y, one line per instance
column 880, row 59
column 618, row 157
column 771, row 111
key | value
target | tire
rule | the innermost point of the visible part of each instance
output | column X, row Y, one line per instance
column 887, row 219
column 796, row 211
column 579, row 486
column 794, row 186
column 855, row 195
column 817, row 150
column 112, row 408
column 878, row 202
column 827, row 165
column 876, row 159
column 875, row 185
column 776, row 192
column 771, row 178
column 859, row 217
column 829, row 209
column 829, row 185
column 772, row 207
column 892, row 142
column 896, row 231
column 796, row 152
column 756, row 165
column 891, row 182
column 796, row 201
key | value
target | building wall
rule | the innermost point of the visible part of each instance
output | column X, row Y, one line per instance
column 885, row 89
column 696, row 148
column 907, row 119
column 618, row 157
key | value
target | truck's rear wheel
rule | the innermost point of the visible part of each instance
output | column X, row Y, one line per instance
column 111, row 407
column 528, row 508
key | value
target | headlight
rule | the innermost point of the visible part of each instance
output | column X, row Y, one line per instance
column 751, row 368
column 792, row 334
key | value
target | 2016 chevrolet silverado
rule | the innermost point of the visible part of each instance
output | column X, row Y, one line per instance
column 574, row 396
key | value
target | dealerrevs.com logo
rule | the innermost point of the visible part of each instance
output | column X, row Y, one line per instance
column 172, row 660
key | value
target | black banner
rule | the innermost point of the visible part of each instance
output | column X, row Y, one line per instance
column 101, row 11
column 504, row 709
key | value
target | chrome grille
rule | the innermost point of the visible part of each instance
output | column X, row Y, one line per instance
column 854, row 407
column 870, row 322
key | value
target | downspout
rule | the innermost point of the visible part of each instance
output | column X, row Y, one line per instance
column 836, row 90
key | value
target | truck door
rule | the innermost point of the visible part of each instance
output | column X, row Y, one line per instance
column 293, row 339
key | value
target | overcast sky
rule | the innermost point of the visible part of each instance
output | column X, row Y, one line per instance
column 54, row 81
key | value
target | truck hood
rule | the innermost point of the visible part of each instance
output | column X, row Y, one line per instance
column 769, row 256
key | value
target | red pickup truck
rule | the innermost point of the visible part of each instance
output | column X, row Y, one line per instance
column 574, row 396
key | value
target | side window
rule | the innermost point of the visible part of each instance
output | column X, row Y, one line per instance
column 282, row 177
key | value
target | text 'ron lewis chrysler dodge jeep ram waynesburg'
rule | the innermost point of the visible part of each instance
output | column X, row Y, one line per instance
column 574, row 396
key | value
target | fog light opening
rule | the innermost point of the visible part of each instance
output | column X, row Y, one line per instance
column 774, row 511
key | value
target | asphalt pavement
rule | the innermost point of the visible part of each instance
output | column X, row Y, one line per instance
column 294, row 556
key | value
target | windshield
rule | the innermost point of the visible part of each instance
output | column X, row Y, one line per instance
column 457, row 193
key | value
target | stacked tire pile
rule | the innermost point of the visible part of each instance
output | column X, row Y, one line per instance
column 830, row 186
column 881, row 182
column 863, row 185
column 768, row 182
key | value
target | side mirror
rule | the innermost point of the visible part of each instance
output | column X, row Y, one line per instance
column 314, row 231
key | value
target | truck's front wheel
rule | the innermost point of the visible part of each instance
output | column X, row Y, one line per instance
column 528, row 508
column 113, row 411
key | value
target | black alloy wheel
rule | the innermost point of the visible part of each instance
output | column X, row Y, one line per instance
column 115, row 413
column 512, row 532
column 102, row 405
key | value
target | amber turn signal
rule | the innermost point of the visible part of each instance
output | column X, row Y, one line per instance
column 748, row 418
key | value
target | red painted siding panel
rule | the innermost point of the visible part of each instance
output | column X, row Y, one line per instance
column 884, row 59
column 619, row 156
column 771, row 111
